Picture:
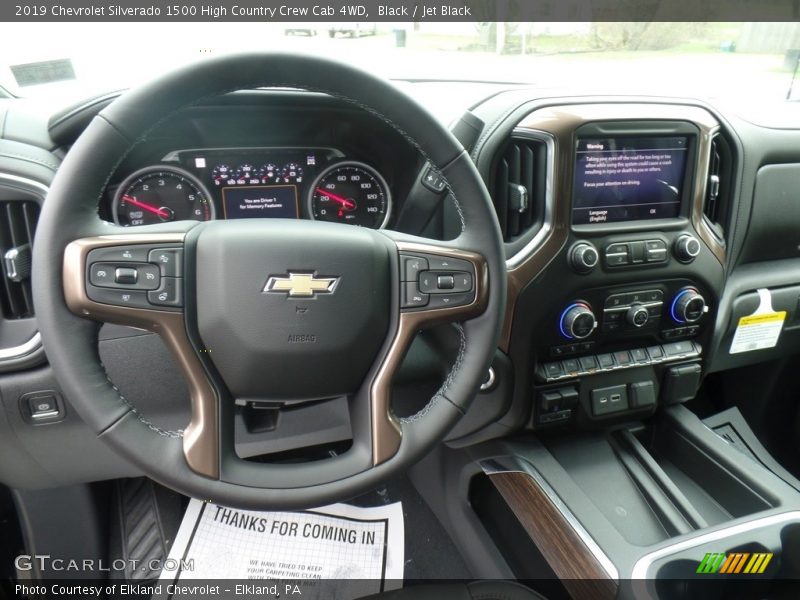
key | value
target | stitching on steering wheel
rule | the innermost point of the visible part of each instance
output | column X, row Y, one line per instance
column 135, row 411
column 462, row 346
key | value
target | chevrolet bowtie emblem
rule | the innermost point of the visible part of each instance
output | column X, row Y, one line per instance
column 301, row 285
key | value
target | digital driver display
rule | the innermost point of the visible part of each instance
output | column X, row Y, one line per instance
column 628, row 179
column 274, row 201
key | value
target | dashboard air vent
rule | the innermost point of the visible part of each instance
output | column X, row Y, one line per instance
column 17, row 225
column 519, row 186
column 718, row 185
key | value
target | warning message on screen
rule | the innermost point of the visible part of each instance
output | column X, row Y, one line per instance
column 625, row 179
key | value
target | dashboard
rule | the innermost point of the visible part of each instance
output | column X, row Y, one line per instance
column 637, row 232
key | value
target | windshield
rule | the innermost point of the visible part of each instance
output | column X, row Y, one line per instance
column 703, row 60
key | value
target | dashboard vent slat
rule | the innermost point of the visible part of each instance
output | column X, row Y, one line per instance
column 518, row 187
column 17, row 228
column 718, row 185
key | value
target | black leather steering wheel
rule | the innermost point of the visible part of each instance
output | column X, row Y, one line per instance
column 264, row 308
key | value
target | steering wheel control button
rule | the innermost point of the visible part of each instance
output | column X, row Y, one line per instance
column 412, row 297
column 170, row 293
column 114, row 254
column 118, row 297
column 449, row 300
column 133, row 276
column 125, row 275
column 169, row 261
column 412, row 266
column 445, row 282
column 433, row 181
column 102, row 274
column 445, row 263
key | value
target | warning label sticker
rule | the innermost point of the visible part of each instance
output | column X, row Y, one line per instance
column 758, row 332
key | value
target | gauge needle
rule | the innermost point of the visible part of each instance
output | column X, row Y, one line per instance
column 149, row 207
column 348, row 204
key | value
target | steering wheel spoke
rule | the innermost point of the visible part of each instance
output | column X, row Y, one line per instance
column 439, row 283
column 137, row 279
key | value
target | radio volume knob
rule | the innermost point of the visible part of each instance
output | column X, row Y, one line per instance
column 687, row 247
column 583, row 257
column 577, row 321
column 688, row 306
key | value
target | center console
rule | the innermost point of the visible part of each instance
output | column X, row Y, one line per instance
column 612, row 313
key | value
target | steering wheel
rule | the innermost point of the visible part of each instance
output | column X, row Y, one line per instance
column 256, row 309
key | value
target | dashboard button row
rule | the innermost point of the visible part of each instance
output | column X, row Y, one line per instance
column 622, row 359
column 636, row 252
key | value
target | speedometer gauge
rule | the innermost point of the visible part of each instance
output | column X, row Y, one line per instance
column 352, row 193
column 159, row 195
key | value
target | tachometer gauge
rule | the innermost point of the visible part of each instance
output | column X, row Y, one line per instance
column 159, row 195
column 350, row 192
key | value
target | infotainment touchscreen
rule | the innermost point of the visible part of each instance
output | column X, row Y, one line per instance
column 628, row 178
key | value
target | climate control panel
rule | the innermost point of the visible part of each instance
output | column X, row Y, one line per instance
column 659, row 312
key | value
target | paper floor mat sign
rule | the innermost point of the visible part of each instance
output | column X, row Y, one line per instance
column 760, row 330
column 338, row 551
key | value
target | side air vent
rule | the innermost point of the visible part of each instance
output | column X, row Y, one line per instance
column 17, row 226
column 718, row 185
column 519, row 187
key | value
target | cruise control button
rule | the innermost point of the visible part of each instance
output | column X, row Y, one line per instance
column 118, row 297
column 125, row 275
column 170, row 293
column 412, row 266
column 412, row 296
column 102, row 274
column 448, row 300
column 118, row 254
column 169, row 260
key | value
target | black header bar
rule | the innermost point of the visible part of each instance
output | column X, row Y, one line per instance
column 476, row 11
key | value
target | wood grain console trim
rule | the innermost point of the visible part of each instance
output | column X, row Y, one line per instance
column 579, row 570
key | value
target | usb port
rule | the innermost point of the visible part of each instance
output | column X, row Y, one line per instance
column 615, row 398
